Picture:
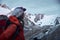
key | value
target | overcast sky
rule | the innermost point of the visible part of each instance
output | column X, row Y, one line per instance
column 35, row 6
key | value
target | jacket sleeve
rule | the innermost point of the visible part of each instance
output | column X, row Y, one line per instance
column 8, row 32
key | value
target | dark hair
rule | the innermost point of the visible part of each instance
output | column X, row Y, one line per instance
column 24, row 9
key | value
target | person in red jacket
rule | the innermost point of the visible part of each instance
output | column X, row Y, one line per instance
column 14, row 30
column 18, row 12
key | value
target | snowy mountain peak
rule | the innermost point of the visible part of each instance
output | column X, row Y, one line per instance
column 46, row 20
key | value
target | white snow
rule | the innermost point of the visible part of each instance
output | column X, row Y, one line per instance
column 47, row 20
column 4, row 11
column 31, row 18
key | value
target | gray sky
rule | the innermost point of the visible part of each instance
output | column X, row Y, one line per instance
column 35, row 6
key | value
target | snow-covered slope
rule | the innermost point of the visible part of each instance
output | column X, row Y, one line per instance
column 47, row 20
column 31, row 18
column 4, row 11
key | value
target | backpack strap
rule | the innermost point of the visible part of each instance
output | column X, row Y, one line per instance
column 21, row 20
column 16, row 32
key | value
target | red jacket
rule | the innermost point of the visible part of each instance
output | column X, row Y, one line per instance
column 7, row 34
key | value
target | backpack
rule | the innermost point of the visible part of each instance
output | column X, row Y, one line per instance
column 3, row 20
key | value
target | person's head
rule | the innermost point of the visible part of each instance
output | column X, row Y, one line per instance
column 18, row 11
